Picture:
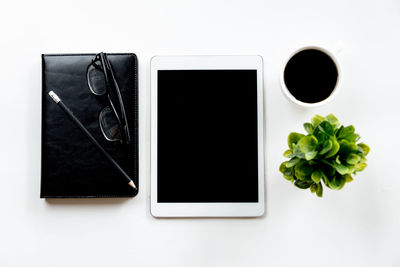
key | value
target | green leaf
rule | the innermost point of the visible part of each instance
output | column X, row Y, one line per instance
column 351, row 168
column 364, row 148
column 297, row 152
column 293, row 138
column 332, row 120
column 326, row 128
column 326, row 147
column 348, row 134
column 347, row 147
column 319, row 190
column 302, row 184
column 338, row 131
column 337, row 182
column 334, row 184
column 317, row 119
column 292, row 162
column 325, row 179
column 308, row 143
column 303, row 171
column 340, row 168
column 335, row 148
column 287, row 172
column 346, row 131
column 288, row 154
column 348, row 178
column 308, row 127
column 316, row 176
column 338, row 160
column 352, row 159
column 352, row 137
column 282, row 167
column 313, row 188
column 363, row 159
column 360, row 166
column 289, row 178
column 311, row 155
column 342, row 181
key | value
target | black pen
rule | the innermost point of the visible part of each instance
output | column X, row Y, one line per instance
column 91, row 138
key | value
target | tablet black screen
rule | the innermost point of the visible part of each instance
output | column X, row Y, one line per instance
column 207, row 136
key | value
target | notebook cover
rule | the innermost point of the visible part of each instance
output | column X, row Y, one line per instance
column 72, row 167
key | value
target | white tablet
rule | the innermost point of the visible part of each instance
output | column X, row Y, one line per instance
column 207, row 157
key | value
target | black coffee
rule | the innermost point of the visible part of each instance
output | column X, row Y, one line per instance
column 311, row 76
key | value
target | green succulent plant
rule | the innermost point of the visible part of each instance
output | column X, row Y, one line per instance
column 327, row 154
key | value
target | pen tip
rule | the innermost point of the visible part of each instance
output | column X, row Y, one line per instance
column 132, row 184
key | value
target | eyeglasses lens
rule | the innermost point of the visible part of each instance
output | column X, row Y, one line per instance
column 109, row 124
column 96, row 79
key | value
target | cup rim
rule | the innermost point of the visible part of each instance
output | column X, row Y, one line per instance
column 335, row 91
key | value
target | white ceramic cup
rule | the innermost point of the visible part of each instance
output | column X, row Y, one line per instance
column 335, row 91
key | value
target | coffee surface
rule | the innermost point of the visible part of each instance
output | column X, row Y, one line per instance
column 311, row 76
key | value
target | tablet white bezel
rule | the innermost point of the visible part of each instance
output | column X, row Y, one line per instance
column 207, row 209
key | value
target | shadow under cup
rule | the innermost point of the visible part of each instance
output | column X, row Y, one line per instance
column 310, row 76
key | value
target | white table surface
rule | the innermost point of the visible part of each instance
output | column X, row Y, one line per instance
column 357, row 226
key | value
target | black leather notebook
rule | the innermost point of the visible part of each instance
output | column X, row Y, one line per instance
column 72, row 167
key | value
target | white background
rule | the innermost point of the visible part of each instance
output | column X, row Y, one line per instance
column 357, row 226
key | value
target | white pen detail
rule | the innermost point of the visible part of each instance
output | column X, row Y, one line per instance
column 54, row 97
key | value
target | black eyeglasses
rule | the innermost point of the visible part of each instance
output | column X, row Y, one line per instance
column 112, row 118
